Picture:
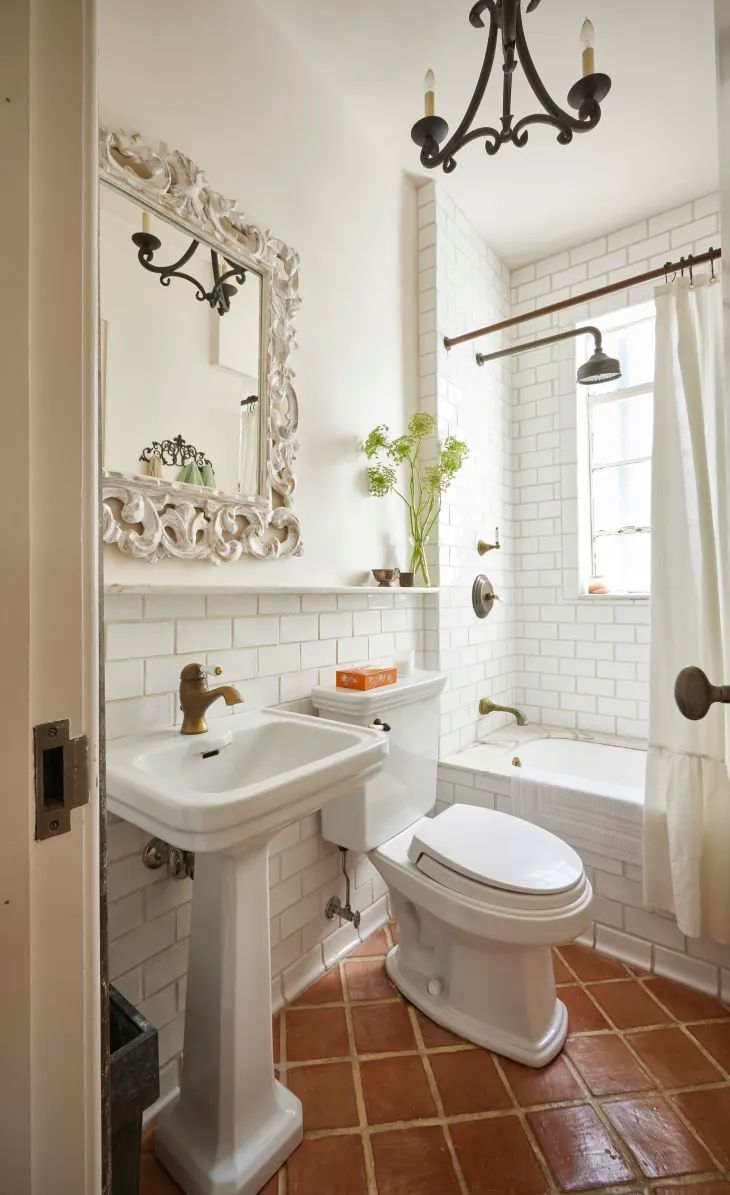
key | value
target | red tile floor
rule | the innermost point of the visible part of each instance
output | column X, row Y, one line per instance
column 639, row 1100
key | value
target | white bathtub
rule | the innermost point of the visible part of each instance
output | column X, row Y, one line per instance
column 589, row 790
column 605, row 767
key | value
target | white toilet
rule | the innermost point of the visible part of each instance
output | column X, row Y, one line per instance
column 480, row 896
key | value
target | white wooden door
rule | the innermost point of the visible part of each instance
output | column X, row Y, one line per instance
column 50, row 1127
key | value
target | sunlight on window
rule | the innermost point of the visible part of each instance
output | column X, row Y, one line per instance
column 617, row 456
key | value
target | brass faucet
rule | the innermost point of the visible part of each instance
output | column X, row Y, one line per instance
column 195, row 696
column 487, row 706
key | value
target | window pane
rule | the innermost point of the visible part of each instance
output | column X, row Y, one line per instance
column 621, row 496
column 621, row 430
column 625, row 562
column 634, row 347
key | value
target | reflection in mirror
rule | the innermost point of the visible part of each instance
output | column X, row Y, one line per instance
column 182, row 385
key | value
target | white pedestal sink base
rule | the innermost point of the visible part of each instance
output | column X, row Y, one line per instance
column 233, row 1125
column 246, row 1171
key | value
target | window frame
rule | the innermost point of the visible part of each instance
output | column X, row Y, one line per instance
column 590, row 398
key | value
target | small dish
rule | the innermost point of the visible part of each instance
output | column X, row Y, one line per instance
column 384, row 576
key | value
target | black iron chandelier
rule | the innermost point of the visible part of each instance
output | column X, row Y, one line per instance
column 222, row 291
column 505, row 21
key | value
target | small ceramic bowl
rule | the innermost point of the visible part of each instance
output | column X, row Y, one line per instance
column 407, row 580
column 384, row 576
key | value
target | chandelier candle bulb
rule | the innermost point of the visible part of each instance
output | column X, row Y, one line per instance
column 587, row 37
column 146, row 222
column 429, row 84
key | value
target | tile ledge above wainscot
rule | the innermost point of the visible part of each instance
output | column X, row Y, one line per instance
column 242, row 589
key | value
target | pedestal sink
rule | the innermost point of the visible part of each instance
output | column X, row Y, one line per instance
column 224, row 794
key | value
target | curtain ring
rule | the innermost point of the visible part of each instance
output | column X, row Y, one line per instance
column 691, row 274
column 681, row 266
column 667, row 264
column 713, row 277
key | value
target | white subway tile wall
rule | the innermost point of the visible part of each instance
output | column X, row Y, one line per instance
column 274, row 648
column 462, row 284
column 580, row 662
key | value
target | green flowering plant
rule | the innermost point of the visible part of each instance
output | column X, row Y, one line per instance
column 425, row 484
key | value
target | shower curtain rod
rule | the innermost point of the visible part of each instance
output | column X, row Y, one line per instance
column 669, row 267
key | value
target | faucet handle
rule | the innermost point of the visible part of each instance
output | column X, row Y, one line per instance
column 198, row 671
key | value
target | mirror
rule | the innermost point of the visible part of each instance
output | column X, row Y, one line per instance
column 182, row 380
column 198, row 410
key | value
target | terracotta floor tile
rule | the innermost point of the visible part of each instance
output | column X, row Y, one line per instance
column 413, row 1162
column 325, row 990
column 332, row 1164
column 366, row 980
column 154, row 1179
column 496, row 1157
column 583, row 1016
column 589, row 966
column 561, row 972
column 316, row 1033
column 468, row 1081
column 685, row 1003
column 396, row 1089
column 673, row 1058
column 435, row 1035
column 327, row 1092
column 716, row 1040
column 709, row 1114
column 628, row 1005
column 578, row 1149
column 661, row 1144
column 548, row 1085
column 607, row 1065
column 272, row 1186
column 382, row 1028
column 376, row 946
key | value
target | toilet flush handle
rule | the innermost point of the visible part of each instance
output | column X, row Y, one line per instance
column 381, row 725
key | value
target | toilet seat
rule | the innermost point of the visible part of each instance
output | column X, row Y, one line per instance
column 469, row 849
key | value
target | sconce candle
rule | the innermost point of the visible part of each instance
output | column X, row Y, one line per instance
column 146, row 222
column 429, row 84
column 587, row 37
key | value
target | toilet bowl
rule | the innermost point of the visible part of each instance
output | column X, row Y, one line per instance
column 480, row 896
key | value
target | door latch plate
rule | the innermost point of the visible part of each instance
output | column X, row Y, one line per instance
column 61, row 777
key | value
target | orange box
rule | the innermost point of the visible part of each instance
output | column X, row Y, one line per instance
column 363, row 679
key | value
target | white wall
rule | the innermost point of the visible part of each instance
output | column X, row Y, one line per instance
column 462, row 284
column 582, row 662
column 219, row 82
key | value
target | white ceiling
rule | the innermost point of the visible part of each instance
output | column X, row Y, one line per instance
column 656, row 145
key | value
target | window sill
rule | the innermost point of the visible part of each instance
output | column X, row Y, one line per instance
column 618, row 596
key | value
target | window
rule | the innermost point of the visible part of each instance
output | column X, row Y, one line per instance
column 615, row 427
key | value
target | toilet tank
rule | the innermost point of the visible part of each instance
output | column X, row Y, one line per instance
column 406, row 788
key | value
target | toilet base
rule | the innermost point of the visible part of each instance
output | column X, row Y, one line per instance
column 530, row 1052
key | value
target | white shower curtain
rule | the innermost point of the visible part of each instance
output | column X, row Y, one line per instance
column 687, row 804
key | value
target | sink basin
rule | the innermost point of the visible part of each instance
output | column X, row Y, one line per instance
column 250, row 775
column 224, row 794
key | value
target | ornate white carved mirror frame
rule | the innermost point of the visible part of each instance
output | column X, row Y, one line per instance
column 149, row 518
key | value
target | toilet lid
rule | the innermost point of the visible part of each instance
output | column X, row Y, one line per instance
column 496, row 849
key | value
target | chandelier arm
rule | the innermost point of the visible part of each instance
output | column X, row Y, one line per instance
column 493, row 139
column 461, row 134
column 560, row 116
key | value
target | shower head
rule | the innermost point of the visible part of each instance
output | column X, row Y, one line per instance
column 598, row 368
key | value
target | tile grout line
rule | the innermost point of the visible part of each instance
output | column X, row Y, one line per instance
column 367, row 1149
column 436, row 1096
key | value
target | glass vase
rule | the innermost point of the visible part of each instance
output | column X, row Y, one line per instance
column 419, row 562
